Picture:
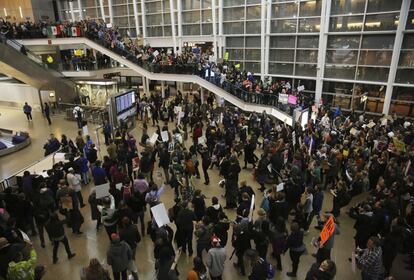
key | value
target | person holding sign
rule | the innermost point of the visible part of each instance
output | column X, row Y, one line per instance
column 326, row 239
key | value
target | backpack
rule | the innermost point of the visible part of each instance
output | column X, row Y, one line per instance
column 189, row 167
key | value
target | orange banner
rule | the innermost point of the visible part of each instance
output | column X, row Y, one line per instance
column 327, row 231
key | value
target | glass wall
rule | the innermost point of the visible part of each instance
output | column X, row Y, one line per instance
column 246, row 51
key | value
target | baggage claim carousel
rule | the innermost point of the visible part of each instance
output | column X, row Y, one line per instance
column 12, row 141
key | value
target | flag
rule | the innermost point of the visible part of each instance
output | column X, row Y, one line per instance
column 53, row 30
column 75, row 31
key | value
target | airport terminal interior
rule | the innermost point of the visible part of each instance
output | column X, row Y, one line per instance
column 206, row 139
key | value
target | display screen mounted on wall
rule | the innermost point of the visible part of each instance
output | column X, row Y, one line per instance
column 125, row 101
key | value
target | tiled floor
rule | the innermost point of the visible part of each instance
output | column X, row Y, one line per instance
column 94, row 244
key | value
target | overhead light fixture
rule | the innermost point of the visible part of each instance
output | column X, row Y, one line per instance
column 5, row 12
column 21, row 13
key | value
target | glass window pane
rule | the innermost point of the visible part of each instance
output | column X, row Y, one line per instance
column 120, row 10
column 167, row 18
column 233, row 28
column 281, row 68
column 207, row 29
column 282, row 42
column 346, row 23
column 92, row 12
column 310, row 8
column 229, row 3
column 308, row 42
column 375, row 58
column 343, row 42
column 193, row 29
column 378, row 42
column 233, row 14
column 191, row 17
column 338, row 87
column 376, row 91
column 403, row 94
column 343, row 7
column 253, row 67
column 253, row 27
column 340, row 71
column 305, row 70
column 307, row 56
column 410, row 21
column 207, row 17
column 408, row 42
column 154, row 20
column 283, row 26
column 374, row 106
column 253, row 42
column 253, row 1
column 405, row 76
column 309, row 25
column 284, row 10
column 153, row 7
column 206, row 4
column 372, row 74
column 253, row 12
column 406, row 59
column 402, row 108
column 167, row 31
column 282, row 55
column 383, row 5
column 341, row 57
column 381, row 22
column 235, row 42
column 252, row 54
column 235, row 54
column 191, row 4
column 154, row 31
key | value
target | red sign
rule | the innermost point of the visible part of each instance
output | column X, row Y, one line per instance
column 49, row 42
column 327, row 231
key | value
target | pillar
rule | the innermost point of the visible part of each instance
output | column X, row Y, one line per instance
column 111, row 12
column 135, row 7
column 144, row 21
column 220, row 25
column 163, row 89
column 323, row 38
column 172, row 15
column 72, row 12
column 80, row 9
column 262, row 38
column 180, row 24
column 101, row 5
column 399, row 36
column 213, row 15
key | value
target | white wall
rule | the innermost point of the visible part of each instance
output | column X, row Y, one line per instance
column 15, row 95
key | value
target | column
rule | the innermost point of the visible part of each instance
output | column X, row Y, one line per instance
column 323, row 38
column 172, row 15
column 220, row 24
column 213, row 15
column 72, row 12
column 111, row 12
column 135, row 7
column 262, row 38
column 101, row 5
column 162, row 89
column 202, row 95
column 144, row 21
column 80, row 9
column 180, row 24
column 267, row 38
column 59, row 10
column 399, row 36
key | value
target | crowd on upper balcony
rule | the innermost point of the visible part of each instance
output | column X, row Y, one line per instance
column 191, row 60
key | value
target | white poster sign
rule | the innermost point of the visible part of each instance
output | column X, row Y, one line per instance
column 280, row 187
column 102, row 190
column 85, row 130
column 160, row 214
column 153, row 138
column 251, row 208
column 164, row 136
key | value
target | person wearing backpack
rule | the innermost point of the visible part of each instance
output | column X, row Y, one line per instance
column 259, row 268
column 204, row 231
column 109, row 215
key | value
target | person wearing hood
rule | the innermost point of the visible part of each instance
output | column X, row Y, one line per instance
column 118, row 257
column 214, row 210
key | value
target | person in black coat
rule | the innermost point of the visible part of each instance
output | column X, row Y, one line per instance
column 294, row 244
column 43, row 205
column 205, row 163
column 259, row 268
column 278, row 207
column 57, row 235
column 129, row 233
column 249, row 156
column 185, row 228
column 95, row 214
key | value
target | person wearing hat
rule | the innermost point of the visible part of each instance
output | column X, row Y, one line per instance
column 216, row 258
column 118, row 257
column 74, row 182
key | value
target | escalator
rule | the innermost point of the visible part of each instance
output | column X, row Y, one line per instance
column 24, row 66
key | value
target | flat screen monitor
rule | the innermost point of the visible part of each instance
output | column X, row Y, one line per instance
column 124, row 102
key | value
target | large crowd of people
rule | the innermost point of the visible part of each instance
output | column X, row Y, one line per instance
column 295, row 167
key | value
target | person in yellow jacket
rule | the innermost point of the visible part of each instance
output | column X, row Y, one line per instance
column 20, row 269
